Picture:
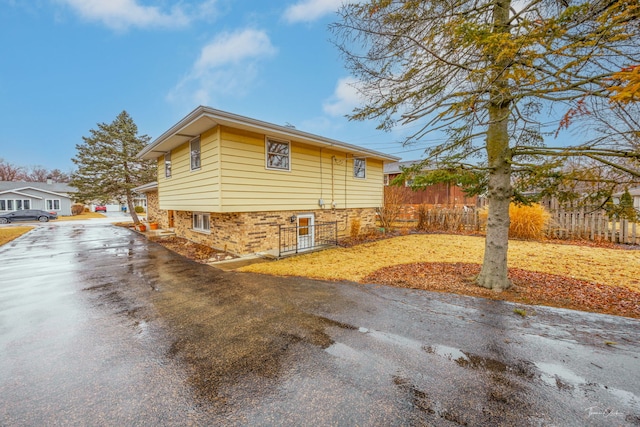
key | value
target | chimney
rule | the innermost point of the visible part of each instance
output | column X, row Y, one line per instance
column 49, row 180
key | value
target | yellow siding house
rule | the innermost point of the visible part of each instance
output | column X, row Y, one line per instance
column 248, row 186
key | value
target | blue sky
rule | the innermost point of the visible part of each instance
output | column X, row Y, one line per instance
column 67, row 65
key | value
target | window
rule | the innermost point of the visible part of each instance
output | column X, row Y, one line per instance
column 53, row 204
column 278, row 155
column 201, row 221
column 386, row 180
column 15, row 205
column 359, row 168
column 167, row 165
column 195, row 154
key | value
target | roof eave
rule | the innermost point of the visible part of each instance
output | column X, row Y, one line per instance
column 204, row 118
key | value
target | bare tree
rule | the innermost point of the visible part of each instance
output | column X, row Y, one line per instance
column 10, row 172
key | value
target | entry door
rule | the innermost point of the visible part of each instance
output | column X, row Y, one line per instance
column 171, row 219
column 305, row 232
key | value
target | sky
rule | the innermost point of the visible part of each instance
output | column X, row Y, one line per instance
column 67, row 65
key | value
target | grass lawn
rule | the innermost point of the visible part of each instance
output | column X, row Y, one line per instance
column 84, row 215
column 7, row 234
column 564, row 275
column 598, row 265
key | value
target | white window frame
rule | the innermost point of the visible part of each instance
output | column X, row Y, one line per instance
column 53, row 204
column 385, row 180
column 3, row 205
column 167, row 164
column 22, row 204
column 195, row 160
column 267, row 141
column 201, row 221
column 362, row 168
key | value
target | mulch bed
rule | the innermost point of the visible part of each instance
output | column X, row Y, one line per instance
column 194, row 251
column 528, row 287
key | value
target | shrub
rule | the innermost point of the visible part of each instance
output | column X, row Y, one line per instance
column 77, row 209
column 354, row 230
column 139, row 209
column 527, row 221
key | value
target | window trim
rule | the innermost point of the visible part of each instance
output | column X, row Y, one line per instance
column 53, row 204
column 364, row 167
column 191, row 156
column 167, row 163
column 199, row 218
column 267, row 140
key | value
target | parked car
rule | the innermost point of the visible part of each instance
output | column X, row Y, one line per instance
column 27, row 215
column 101, row 209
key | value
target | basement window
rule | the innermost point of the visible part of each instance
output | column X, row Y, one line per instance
column 201, row 222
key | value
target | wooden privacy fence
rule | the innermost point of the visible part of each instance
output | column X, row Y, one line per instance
column 562, row 224
column 592, row 226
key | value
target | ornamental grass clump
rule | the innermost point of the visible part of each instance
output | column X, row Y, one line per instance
column 527, row 221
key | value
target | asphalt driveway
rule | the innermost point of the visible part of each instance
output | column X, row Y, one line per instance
column 98, row 326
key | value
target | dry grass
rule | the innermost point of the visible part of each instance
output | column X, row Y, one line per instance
column 7, row 234
column 597, row 265
column 84, row 215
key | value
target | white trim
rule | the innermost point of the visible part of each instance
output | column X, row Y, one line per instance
column 364, row 159
column 167, row 163
column 53, row 208
column 21, row 194
column 37, row 189
column 268, row 139
column 199, row 154
column 305, row 242
column 201, row 227
column 204, row 118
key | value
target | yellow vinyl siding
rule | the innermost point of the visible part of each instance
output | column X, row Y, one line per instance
column 233, row 177
column 248, row 186
column 188, row 190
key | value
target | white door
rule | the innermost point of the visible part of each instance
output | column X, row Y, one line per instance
column 305, row 232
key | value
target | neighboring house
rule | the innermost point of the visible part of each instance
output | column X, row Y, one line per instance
column 47, row 196
column 232, row 182
column 443, row 194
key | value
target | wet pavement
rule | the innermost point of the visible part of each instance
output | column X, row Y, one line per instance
column 98, row 326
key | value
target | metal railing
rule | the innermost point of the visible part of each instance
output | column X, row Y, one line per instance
column 296, row 239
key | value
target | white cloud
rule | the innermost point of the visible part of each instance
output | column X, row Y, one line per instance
column 227, row 65
column 123, row 14
column 310, row 10
column 232, row 48
column 344, row 99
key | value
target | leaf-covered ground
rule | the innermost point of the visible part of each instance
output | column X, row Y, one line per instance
column 579, row 276
column 528, row 287
column 607, row 266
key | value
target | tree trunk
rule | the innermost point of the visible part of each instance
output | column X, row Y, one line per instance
column 494, row 273
column 132, row 210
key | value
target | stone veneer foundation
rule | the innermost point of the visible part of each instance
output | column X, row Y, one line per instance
column 244, row 233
